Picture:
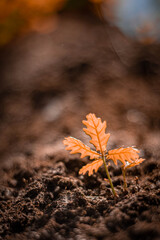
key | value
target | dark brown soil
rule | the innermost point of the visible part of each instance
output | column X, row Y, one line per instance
column 48, row 85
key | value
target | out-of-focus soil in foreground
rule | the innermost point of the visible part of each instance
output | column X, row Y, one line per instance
column 48, row 85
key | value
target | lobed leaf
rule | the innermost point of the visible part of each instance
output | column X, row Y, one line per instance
column 94, row 166
column 76, row 146
column 96, row 130
column 136, row 162
column 123, row 154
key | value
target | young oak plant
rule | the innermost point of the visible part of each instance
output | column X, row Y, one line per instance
column 129, row 157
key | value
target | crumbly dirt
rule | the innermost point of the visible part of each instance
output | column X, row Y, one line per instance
column 48, row 200
column 49, row 83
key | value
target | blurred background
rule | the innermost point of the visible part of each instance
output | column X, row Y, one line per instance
column 61, row 59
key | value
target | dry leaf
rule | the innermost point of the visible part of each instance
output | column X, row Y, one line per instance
column 123, row 154
column 136, row 162
column 94, row 166
column 76, row 146
column 96, row 130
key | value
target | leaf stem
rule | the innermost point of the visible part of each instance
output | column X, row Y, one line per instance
column 108, row 176
column 124, row 178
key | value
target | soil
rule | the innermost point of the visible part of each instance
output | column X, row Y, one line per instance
column 48, row 85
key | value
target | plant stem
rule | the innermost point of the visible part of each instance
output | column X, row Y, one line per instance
column 124, row 178
column 108, row 176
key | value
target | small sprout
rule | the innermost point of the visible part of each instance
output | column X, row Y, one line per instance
column 129, row 157
column 125, row 167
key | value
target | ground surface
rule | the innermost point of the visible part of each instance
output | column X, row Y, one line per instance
column 48, row 85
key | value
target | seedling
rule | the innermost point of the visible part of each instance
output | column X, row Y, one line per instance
column 125, row 167
column 129, row 156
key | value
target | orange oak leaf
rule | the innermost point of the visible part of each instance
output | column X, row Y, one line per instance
column 96, row 130
column 76, row 146
column 136, row 162
column 123, row 154
column 90, row 167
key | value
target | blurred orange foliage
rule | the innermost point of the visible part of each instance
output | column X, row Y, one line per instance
column 20, row 15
